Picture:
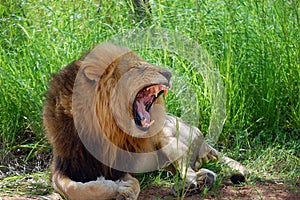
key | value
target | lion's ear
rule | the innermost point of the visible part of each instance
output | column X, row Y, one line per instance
column 92, row 72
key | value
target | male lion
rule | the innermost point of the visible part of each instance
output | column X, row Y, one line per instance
column 105, row 110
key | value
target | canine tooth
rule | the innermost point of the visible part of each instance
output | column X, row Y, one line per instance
column 166, row 92
column 156, row 90
column 143, row 122
column 152, row 122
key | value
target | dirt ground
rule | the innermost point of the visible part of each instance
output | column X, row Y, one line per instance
column 260, row 190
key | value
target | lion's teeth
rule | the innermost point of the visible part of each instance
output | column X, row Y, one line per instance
column 166, row 92
column 143, row 122
column 152, row 122
column 157, row 89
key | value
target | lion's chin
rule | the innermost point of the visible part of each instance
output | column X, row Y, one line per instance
column 143, row 103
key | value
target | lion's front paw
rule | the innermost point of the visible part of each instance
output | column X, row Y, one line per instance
column 204, row 178
column 128, row 189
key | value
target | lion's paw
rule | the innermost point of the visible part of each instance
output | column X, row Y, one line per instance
column 128, row 190
column 204, row 178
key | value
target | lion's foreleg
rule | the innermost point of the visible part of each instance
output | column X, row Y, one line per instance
column 99, row 189
column 126, row 188
column 209, row 153
column 184, row 141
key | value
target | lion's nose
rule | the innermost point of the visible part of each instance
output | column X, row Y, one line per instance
column 166, row 74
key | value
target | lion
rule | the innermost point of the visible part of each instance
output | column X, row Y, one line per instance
column 105, row 110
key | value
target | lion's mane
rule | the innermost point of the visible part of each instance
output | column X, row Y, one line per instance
column 90, row 99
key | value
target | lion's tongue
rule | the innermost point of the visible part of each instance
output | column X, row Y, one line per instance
column 144, row 101
column 144, row 115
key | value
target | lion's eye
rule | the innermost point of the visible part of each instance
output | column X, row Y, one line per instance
column 140, row 67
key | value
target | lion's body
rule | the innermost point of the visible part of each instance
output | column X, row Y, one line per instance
column 77, row 172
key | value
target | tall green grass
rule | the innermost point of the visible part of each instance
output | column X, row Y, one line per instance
column 254, row 44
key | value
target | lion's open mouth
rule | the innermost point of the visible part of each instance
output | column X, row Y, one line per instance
column 143, row 102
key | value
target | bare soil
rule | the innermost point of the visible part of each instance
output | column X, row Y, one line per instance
column 259, row 190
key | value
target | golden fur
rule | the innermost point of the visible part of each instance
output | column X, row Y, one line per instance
column 91, row 101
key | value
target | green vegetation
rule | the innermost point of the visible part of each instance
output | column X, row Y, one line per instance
column 255, row 45
column 35, row 184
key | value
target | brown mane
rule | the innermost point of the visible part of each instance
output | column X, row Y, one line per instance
column 97, row 75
